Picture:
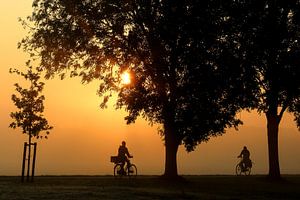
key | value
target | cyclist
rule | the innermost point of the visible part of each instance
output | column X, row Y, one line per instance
column 245, row 155
column 123, row 155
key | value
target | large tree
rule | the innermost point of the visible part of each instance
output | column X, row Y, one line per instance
column 269, row 37
column 184, row 65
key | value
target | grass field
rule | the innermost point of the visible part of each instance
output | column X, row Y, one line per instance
column 149, row 187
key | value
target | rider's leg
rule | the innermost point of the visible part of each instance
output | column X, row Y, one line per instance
column 243, row 164
column 122, row 167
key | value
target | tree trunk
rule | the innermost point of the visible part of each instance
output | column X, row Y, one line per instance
column 171, row 147
column 272, row 126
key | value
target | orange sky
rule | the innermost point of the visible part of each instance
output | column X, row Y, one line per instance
column 84, row 136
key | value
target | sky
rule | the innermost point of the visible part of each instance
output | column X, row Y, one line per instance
column 85, row 136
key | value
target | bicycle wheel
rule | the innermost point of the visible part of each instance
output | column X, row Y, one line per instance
column 132, row 170
column 248, row 171
column 238, row 170
column 117, row 170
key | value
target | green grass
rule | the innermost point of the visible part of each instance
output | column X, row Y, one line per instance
column 149, row 187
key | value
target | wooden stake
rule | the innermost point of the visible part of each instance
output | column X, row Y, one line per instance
column 24, row 160
column 33, row 161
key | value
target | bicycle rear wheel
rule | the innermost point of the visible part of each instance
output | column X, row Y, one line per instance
column 248, row 171
column 117, row 170
column 132, row 170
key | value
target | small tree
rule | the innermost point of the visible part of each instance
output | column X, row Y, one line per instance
column 29, row 117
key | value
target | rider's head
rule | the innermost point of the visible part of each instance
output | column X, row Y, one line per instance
column 245, row 147
column 123, row 143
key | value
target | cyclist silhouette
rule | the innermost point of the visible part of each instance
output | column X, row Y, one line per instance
column 123, row 155
column 245, row 155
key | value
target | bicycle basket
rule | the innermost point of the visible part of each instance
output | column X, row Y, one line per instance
column 114, row 159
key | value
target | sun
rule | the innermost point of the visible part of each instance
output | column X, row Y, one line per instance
column 125, row 78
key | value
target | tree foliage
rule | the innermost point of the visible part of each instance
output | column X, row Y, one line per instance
column 30, row 104
column 270, row 32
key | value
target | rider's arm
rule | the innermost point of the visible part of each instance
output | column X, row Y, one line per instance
column 127, row 153
column 240, row 155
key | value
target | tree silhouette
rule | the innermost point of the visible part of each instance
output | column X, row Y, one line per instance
column 269, row 34
column 31, row 106
column 184, row 66
column 29, row 116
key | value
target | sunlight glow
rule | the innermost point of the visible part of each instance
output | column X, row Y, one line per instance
column 125, row 78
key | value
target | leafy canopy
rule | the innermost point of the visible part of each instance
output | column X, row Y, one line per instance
column 181, row 55
column 30, row 104
column 270, row 38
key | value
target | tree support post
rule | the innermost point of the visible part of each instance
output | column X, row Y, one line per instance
column 33, row 161
column 27, row 157
column 24, row 160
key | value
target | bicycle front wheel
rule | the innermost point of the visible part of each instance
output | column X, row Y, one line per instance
column 238, row 170
column 132, row 171
column 117, row 170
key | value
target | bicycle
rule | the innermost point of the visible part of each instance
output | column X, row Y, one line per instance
column 240, row 169
column 130, row 171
